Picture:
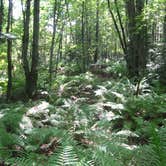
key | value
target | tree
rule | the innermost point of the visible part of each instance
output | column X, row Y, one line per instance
column 31, row 71
column 120, row 30
column 163, row 65
column 33, row 76
column 9, row 50
column 52, row 41
column 83, row 37
column 137, row 33
column 1, row 14
column 25, row 43
column 97, row 32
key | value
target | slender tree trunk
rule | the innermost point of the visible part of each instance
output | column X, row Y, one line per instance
column 117, row 28
column 163, row 65
column 83, row 38
column 153, row 33
column 9, row 51
column 121, row 25
column 25, row 43
column 52, row 42
column 1, row 15
column 59, row 53
column 68, row 15
column 97, row 32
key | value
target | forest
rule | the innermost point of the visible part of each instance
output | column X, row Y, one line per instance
column 82, row 82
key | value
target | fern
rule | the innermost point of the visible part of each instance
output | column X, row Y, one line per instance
column 28, row 159
column 65, row 156
column 154, row 153
column 20, row 161
column 146, row 156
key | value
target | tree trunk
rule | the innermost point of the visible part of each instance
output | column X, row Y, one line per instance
column 83, row 67
column 52, row 42
column 137, row 31
column 1, row 14
column 97, row 32
column 25, row 43
column 9, row 51
column 163, row 65
column 68, row 15
column 59, row 53
column 121, row 25
column 117, row 28
column 33, row 77
column 31, row 74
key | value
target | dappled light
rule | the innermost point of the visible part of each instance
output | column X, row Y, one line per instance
column 82, row 83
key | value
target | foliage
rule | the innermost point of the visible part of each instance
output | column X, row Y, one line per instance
column 101, row 124
column 84, row 112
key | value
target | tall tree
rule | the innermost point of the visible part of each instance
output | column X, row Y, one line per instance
column 121, row 25
column 9, row 50
column 33, row 77
column 25, row 42
column 1, row 14
column 83, row 66
column 120, row 30
column 97, row 32
column 31, row 71
column 52, row 41
column 163, row 65
column 137, row 31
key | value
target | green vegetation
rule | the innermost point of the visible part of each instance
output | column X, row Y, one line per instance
column 82, row 83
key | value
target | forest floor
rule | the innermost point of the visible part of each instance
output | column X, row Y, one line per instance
column 95, row 118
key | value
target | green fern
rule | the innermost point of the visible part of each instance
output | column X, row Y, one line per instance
column 153, row 154
column 20, row 161
column 65, row 156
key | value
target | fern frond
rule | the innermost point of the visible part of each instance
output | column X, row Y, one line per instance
column 146, row 156
column 65, row 156
column 20, row 161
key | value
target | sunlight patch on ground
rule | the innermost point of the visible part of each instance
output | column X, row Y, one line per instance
column 101, row 91
column 89, row 76
column 1, row 115
column 129, row 147
column 39, row 109
column 26, row 123
column 119, row 95
column 127, row 133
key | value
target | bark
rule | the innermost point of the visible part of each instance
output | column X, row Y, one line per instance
column 31, row 72
column 83, row 37
column 137, row 33
column 9, row 51
column 25, row 41
column 59, row 53
column 1, row 14
column 33, row 75
column 153, row 33
column 68, row 15
column 163, row 65
column 116, row 27
column 121, row 25
column 52, row 42
column 97, row 32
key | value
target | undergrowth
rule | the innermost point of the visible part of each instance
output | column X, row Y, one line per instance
column 89, row 121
